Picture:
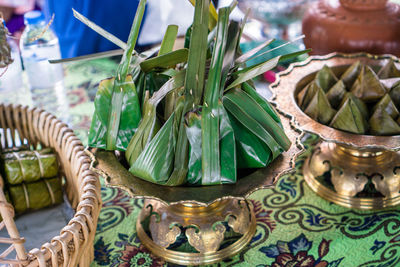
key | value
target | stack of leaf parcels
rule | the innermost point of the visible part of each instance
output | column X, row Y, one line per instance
column 189, row 116
column 361, row 101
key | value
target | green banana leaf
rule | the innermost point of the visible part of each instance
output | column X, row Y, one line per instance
column 129, row 118
column 367, row 86
column 251, row 151
column 336, row 94
column 227, row 148
column 349, row 118
column 167, row 60
column 251, row 91
column 169, row 39
column 325, row 78
column 381, row 123
column 254, row 110
column 114, row 129
column 211, row 168
column 38, row 195
column 351, row 74
column 395, row 94
column 29, row 166
column 389, row 70
column 156, row 162
column 319, row 108
column 150, row 123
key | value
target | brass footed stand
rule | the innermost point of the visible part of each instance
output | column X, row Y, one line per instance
column 202, row 226
column 216, row 222
column 364, row 179
column 355, row 171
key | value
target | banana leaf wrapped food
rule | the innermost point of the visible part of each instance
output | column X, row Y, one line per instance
column 364, row 104
column 336, row 94
column 36, row 195
column 204, row 116
column 367, row 86
column 319, row 108
column 29, row 166
column 351, row 74
column 350, row 118
column 325, row 78
column 389, row 70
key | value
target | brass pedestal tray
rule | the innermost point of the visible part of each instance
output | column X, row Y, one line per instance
column 356, row 171
column 200, row 215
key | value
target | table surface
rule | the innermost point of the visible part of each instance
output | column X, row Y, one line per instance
column 295, row 227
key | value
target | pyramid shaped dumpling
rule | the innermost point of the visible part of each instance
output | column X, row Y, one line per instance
column 367, row 86
column 349, row 118
column 336, row 94
column 395, row 94
column 387, row 104
column 305, row 96
column 319, row 108
column 351, row 74
column 389, row 71
column 325, row 78
column 381, row 123
column 360, row 104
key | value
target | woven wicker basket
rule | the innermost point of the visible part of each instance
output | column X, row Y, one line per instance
column 34, row 127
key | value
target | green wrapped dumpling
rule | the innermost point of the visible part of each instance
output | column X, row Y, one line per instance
column 389, row 71
column 395, row 94
column 37, row 195
column 29, row 166
column 367, row 86
column 360, row 104
column 387, row 104
column 319, row 108
column 305, row 96
column 349, row 118
column 351, row 74
column 381, row 123
column 336, row 94
column 325, row 78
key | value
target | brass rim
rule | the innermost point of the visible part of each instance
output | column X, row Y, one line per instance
column 184, row 258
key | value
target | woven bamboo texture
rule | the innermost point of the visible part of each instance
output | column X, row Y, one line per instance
column 35, row 127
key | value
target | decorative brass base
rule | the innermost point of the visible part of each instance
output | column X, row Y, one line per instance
column 362, row 179
column 203, row 227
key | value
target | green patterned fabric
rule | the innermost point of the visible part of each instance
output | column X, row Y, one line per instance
column 295, row 226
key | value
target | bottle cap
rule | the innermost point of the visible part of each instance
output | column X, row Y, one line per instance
column 33, row 17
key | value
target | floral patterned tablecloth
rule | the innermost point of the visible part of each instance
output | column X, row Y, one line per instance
column 295, row 227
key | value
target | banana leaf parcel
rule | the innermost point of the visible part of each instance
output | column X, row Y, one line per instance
column 193, row 125
column 36, row 195
column 29, row 166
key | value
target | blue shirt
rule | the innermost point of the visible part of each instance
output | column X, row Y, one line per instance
column 76, row 39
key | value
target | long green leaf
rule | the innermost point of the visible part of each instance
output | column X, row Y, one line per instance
column 253, row 72
column 213, row 14
column 122, row 71
column 252, row 125
column 168, row 41
column 155, row 163
column 261, row 101
column 254, row 110
column 210, row 115
column 231, row 49
column 246, row 56
column 194, row 82
column 166, row 60
column 115, row 40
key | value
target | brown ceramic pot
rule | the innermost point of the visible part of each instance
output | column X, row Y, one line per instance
column 350, row 26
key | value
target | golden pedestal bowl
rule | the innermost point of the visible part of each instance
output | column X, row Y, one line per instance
column 201, row 214
column 355, row 171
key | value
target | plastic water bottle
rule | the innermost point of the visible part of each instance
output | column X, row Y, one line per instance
column 38, row 44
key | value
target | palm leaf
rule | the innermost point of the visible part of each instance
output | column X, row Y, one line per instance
column 168, row 41
column 113, row 39
column 167, row 60
column 210, row 115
